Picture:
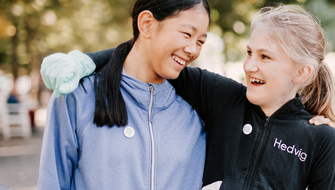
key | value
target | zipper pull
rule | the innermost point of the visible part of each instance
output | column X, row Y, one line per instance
column 152, row 93
column 267, row 120
column 152, row 89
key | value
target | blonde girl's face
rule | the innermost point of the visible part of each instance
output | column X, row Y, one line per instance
column 269, row 72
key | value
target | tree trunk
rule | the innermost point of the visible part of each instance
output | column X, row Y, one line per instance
column 15, row 62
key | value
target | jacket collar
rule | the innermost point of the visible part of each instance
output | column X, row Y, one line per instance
column 293, row 106
column 163, row 96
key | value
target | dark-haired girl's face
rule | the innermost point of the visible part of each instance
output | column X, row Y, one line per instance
column 177, row 41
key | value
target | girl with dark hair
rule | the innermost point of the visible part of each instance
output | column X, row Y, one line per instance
column 125, row 127
column 258, row 137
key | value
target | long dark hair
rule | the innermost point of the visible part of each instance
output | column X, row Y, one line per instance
column 110, row 108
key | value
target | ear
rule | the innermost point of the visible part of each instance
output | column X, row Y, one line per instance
column 145, row 22
column 302, row 74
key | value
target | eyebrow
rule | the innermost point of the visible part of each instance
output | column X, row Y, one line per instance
column 261, row 50
column 193, row 28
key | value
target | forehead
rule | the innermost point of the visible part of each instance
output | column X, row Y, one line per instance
column 263, row 41
column 263, row 38
column 197, row 9
column 196, row 16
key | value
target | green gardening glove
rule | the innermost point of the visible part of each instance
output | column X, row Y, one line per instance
column 62, row 72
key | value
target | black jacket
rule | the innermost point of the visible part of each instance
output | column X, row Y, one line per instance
column 282, row 151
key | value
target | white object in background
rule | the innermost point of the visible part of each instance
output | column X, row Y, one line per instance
column 3, row 115
column 17, row 121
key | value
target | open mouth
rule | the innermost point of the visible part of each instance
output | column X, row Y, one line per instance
column 257, row 81
column 178, row 60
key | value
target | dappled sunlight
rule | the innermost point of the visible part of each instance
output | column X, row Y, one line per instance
column 330, row 60
column 31, row 30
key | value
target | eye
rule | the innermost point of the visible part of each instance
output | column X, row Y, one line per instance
column 187, row 34
column 265, row 57
column 249, row 53
column 201, row 42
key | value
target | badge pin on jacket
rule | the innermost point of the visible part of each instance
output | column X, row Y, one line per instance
column 129, row 132
column 247, row 129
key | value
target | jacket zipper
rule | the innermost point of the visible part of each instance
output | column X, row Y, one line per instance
column 152, row 92
column 260, row 145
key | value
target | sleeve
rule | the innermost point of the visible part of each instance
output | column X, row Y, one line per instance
column 101, row 58
column 322, row 176
column 208, row 93
column 59, row 154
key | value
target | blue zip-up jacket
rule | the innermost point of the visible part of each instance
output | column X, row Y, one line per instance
column 165, row 151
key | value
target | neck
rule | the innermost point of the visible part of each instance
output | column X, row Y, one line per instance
column 138, row 65
column 270, row 110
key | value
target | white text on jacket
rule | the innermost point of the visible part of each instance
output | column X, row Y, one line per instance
column 291, row 150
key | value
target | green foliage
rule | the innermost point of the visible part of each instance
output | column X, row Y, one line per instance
column 48, row 26
column 3, row 57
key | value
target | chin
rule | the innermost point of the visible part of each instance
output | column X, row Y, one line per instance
column 172, row 75
column 253, row 98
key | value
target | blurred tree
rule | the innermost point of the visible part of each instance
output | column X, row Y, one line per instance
column 32, row 29
column 326, row 13
column 231, row 19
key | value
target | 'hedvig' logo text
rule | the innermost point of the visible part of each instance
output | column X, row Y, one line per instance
column 291, row 150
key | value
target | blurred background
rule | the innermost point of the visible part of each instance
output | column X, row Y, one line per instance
column 33, row 29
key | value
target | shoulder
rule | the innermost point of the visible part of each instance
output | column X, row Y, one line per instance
column 76, row 108
column 322, row 136
column 86, row 86
column 220, row 86
column 84, row 94
column 84, row 90
column 203, row 73
column 322, row 131
column 82, row 97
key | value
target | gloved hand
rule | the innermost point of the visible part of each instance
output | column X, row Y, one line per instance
column 62, row 72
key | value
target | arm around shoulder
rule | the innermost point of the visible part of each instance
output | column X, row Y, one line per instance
column 207, row 92
column 101, row 58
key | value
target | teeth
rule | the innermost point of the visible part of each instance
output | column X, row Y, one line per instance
column 253, row 80
column 178, row 60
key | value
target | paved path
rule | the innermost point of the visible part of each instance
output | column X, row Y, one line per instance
column 19, row 161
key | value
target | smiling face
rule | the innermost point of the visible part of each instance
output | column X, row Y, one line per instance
column 269, row 71
column 177, row 41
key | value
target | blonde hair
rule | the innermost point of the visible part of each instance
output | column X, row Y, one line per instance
column 301, row 37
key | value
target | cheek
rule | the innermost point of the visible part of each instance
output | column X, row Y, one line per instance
column 254, row 97
column 285, row 84
column 245, row 60
column 197, row 53
column 245, row 64
column 278, row 85
column 178, row 39
column 281, row 76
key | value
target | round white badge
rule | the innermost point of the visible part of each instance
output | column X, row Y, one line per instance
column 129, row 132
column 247, row 129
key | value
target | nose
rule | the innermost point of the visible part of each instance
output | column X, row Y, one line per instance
column 191, row 48
column 250, row 65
